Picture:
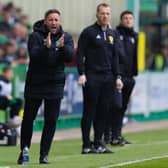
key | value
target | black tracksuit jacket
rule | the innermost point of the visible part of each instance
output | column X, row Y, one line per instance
column 45, row 76
column 127, row 51
column 97, row 51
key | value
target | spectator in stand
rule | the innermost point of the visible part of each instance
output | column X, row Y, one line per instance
column 6, row 98
column 2, row 55
column 9, row 13
column 160, row 60
column 14, row 29
column 24, row 20
column 4, row 23
column 11, row 49
column 20, row 33
column 21, row 56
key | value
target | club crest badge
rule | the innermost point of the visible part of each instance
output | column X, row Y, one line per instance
column 111, row 39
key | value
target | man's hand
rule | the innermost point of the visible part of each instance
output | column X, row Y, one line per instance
column 119, row 84
column 49, row 40
column 61, row 41
column 82, row 80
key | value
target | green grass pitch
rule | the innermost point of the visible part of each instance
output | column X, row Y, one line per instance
column 66, row 154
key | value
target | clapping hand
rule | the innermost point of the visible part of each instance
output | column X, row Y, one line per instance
column 61, row 41
column 49, row 40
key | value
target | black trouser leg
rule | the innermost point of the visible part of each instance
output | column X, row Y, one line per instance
column 107, row 132
column 115, row 104
column 15, row 107
column 30, row 110
column 115, row 123
column 118, row 115
column 90, row 97
column 102, row 113
column 51, row 113
column 99, row 123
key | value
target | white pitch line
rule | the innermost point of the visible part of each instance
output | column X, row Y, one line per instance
column 135, row 161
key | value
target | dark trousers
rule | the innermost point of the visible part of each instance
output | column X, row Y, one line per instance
column 15, row 105
column 119, row 113
column 96, row 97
column 51, row 113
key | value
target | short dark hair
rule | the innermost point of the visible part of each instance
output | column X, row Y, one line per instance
column 125, row 13
column 51, row 11
column 102, row 4
column 6, row 69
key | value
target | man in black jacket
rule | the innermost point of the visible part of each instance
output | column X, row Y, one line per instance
column 98, row 68
column 128, row 70
column 49, row 48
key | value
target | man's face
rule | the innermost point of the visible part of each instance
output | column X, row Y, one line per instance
column 104, row 15
column 127, row 20
column 53, row 22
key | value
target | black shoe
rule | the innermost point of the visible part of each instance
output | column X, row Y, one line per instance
column 88, row 150
column 118, row 141
column 44, row 160
column 101, row 148
column 126, row 142
column 23, row 157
